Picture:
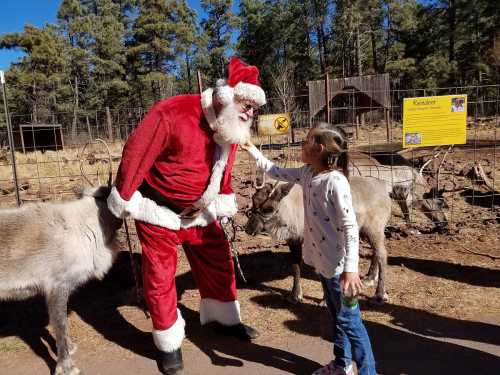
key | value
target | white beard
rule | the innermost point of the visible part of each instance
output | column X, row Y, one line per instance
column 230, row 128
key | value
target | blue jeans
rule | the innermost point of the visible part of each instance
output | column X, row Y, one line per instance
column 350, row 339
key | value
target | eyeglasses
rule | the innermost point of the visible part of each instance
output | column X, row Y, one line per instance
column 247, row 106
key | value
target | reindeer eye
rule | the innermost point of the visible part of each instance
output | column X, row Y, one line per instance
column 267, row 210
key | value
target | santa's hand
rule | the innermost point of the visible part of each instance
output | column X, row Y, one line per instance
column 190, row 212
column 247, row 145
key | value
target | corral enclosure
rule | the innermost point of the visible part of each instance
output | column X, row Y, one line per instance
column 441, row 286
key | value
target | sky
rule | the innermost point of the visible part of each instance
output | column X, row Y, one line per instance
column 14, row 14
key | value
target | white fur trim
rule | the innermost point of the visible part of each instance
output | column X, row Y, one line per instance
column 208, row 108
column 250, row 92
column 146, row 210
column 170, row 339
column 226, row 94
column 227, row 313
column 119, row 206
column 225, row 205
column 220, row 160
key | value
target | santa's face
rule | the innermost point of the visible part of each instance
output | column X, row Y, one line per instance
column 233, row 122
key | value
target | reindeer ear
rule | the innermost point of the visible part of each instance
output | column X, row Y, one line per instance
column 282, row 190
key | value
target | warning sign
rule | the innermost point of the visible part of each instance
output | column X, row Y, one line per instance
column 274, row 124
column 435, row 121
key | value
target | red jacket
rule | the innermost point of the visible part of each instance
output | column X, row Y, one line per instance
column 173, row 150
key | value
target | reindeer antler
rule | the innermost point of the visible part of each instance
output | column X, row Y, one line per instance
column 427, row 163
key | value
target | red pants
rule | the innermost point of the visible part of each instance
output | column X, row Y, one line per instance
column 209, row 256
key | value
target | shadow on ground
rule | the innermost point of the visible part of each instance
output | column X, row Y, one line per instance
column 397, row 351
column 97, row 304
column 473, row 275
column 400, row 352
column 481, row 199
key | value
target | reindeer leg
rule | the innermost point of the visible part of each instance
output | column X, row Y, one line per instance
column 295, row 296
column 57, row 304
column 372, row 276
column 404, row 205
column 381, row 259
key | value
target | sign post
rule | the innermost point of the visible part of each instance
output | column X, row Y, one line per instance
column 10, row 136
column 434, row 121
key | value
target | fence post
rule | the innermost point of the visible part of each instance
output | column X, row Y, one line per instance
column 10, row 136
column 327, row 97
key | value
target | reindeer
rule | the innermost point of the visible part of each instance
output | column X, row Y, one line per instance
column 278, row 210
column 51, row 249
column 405, row 184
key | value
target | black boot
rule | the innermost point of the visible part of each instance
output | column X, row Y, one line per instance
column 170, row 363
column 240, row 331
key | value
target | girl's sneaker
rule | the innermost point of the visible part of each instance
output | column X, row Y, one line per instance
column 332, row 369
column 338, row 370
column 326, row 370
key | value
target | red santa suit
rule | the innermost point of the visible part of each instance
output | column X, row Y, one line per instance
column 173, row 153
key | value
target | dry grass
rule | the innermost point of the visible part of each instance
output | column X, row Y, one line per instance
column 57, row 175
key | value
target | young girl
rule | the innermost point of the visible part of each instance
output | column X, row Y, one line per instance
column 330, row 240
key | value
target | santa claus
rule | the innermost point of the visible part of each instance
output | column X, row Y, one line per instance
column 175, row 181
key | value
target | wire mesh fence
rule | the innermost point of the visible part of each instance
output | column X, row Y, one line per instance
column 54, row 159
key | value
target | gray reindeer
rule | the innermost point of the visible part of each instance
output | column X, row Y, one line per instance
column 406, row 185
column 277, row 209
column 50, row 249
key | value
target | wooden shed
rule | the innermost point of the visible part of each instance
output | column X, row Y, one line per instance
column 40, row 137
column 346, row 100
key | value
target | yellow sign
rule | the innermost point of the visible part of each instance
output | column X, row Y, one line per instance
column 435, row 121
column 274, row 124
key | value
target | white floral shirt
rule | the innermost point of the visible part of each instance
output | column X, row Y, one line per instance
column 331, row 235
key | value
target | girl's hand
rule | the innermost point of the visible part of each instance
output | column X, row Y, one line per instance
column 247, row 145
column 352, row 280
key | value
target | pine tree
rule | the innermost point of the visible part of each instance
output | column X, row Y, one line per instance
column 187, row 37
column 151, row 50
column 108, row 54
column 39, row 80
column 218, row 28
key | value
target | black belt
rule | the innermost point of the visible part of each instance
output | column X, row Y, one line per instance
column 151, row 193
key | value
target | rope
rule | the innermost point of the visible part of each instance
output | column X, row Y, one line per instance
column 231, row 240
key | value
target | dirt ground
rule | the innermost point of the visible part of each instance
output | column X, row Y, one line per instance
column 443, row 315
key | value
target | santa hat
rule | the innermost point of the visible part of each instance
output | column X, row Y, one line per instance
column 242, row 83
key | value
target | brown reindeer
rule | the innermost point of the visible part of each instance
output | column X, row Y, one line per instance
column 277, row 209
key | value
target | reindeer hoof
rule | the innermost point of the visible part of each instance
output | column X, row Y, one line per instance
column 71, row 371
column 294, row 298
column 380, row 300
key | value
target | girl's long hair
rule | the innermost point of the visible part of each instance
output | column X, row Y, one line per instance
column 335, row 144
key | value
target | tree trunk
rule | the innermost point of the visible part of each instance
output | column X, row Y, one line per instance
column 110, row 124
column 188, row 72
column 452, row 14
column 75, row 110
column 374, row 50
column 358, row 53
